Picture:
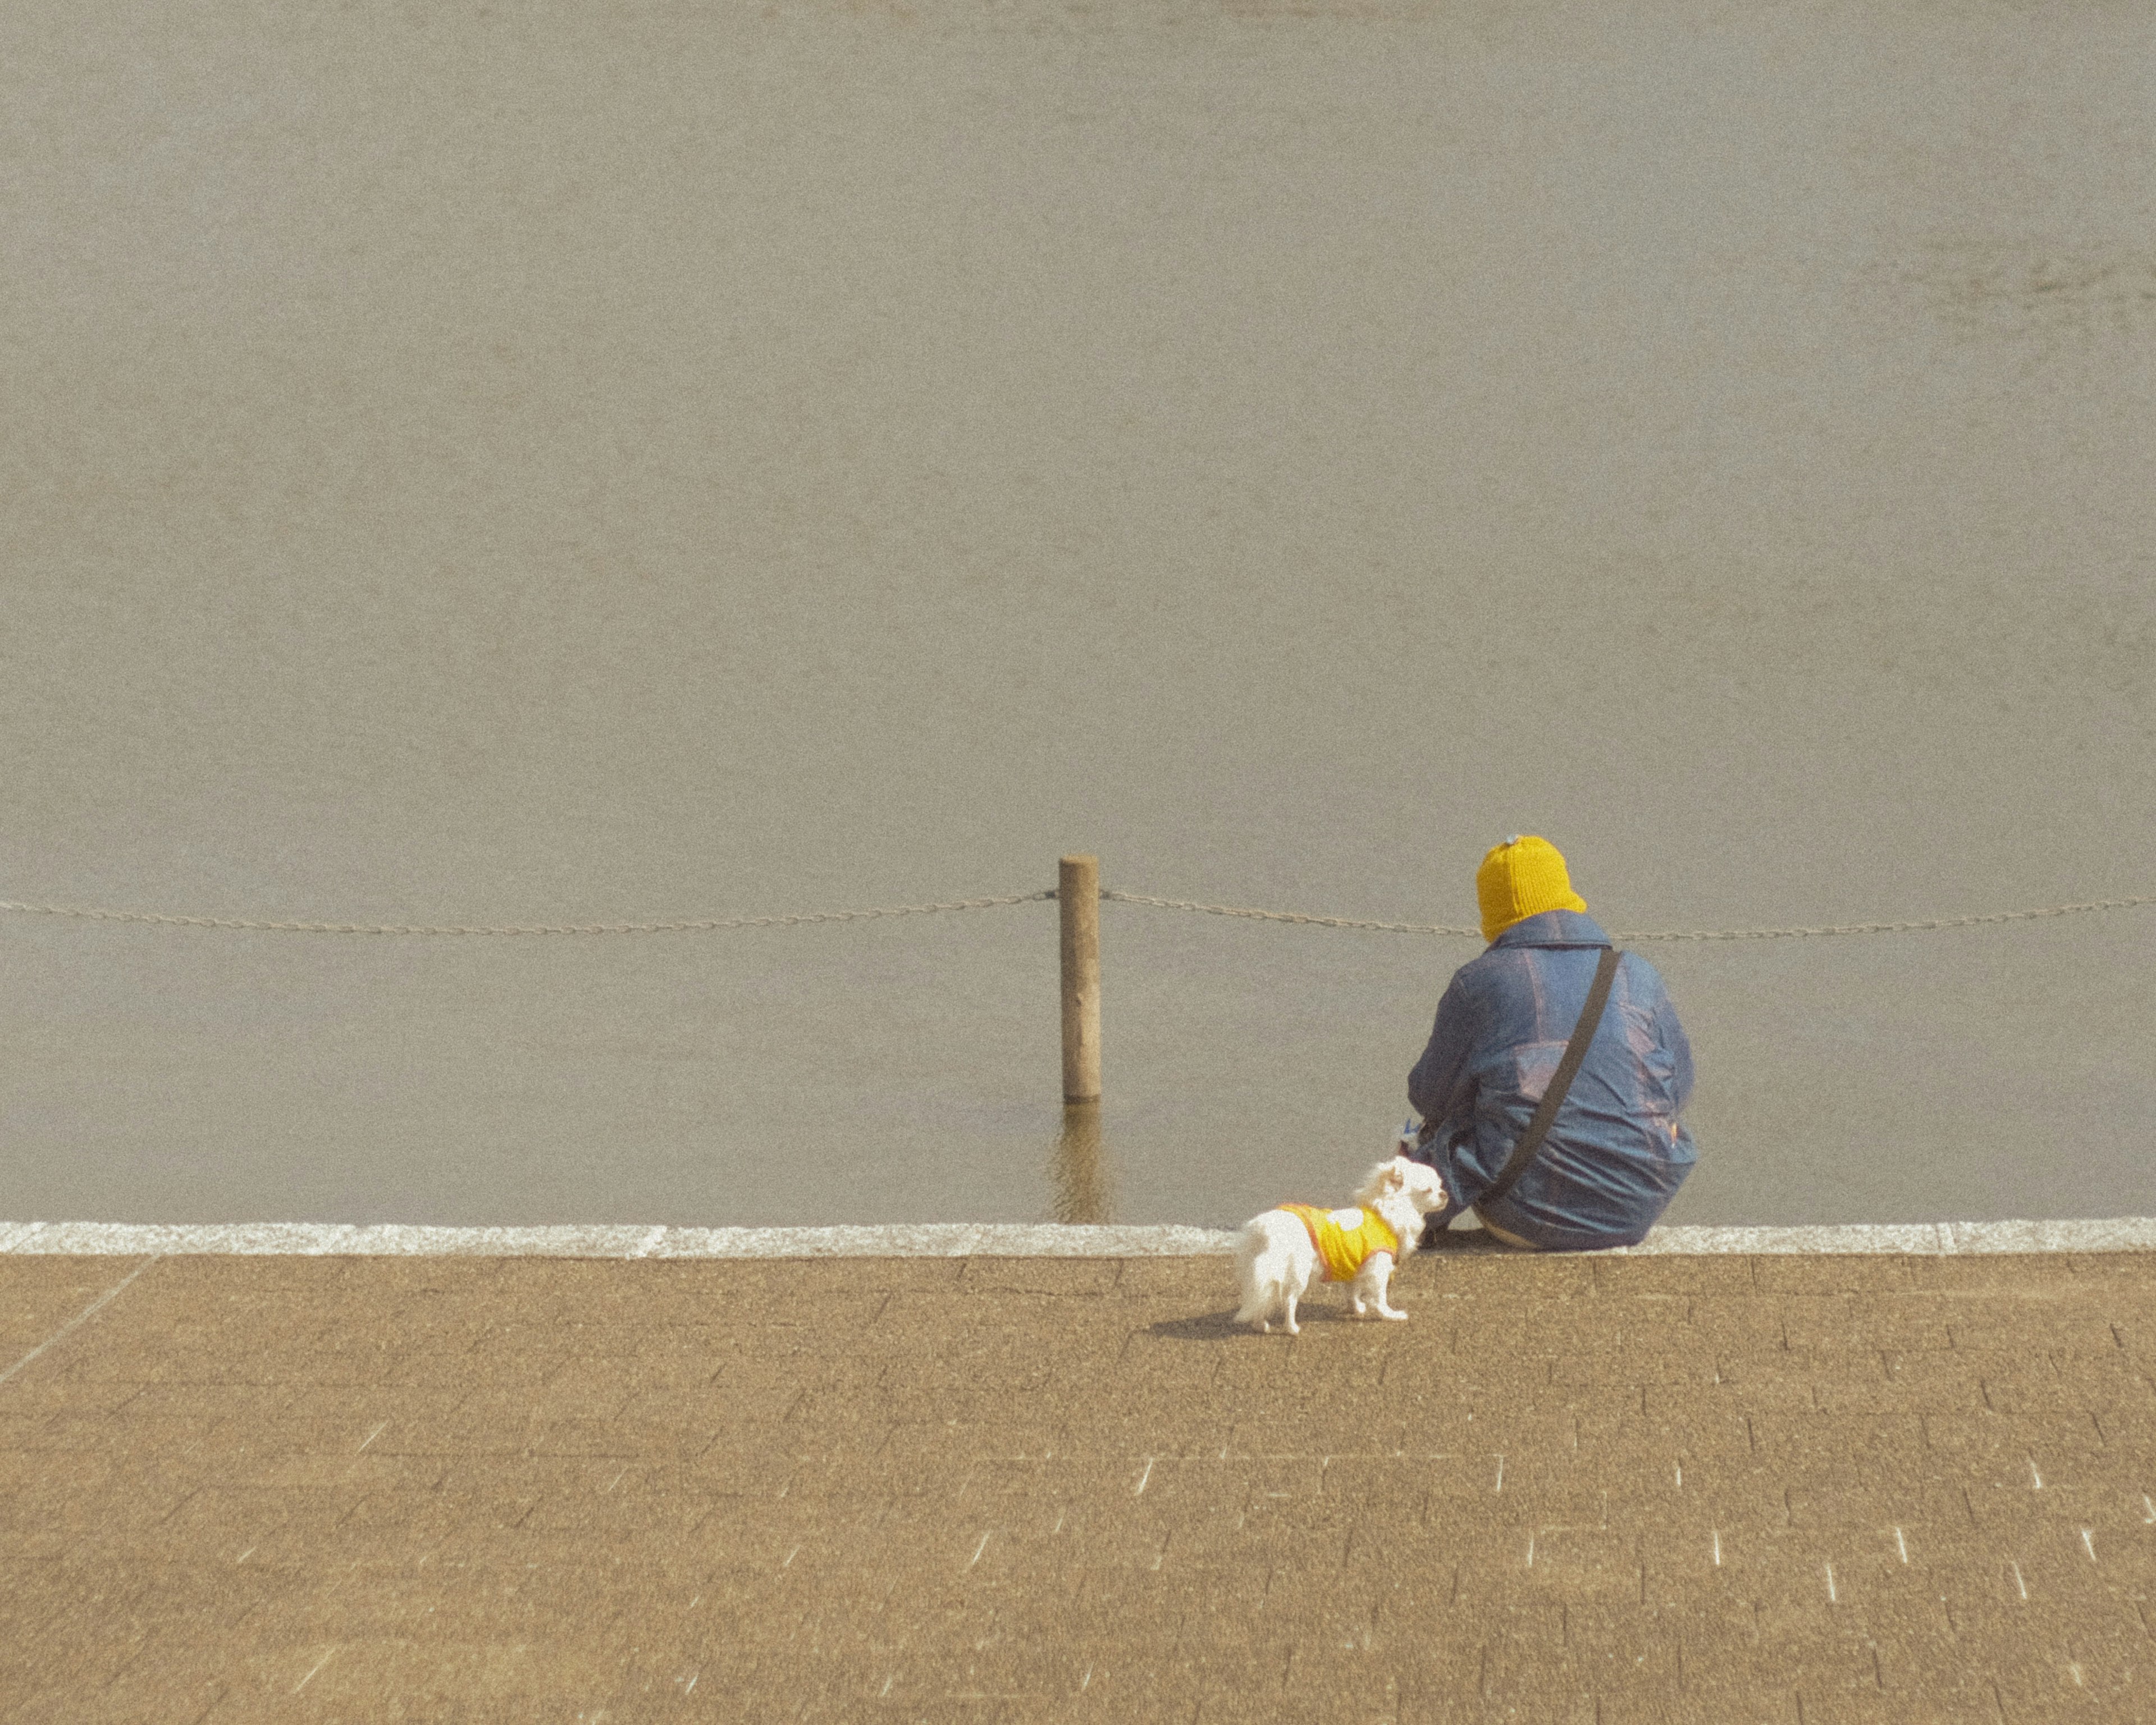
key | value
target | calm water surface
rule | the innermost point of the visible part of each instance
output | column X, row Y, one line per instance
column 491, row 465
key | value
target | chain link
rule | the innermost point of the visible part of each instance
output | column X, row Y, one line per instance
column 1705, row 934
column 962, row 904
column 1768, row 934
column 710, row 924
column 1177, row 904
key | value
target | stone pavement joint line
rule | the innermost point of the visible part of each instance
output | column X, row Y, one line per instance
column 81, row 1318
column 1801, row 1487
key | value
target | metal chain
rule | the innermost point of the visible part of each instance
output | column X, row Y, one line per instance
column 1026, row 898
column 1177, row 904
column 1768, row 934
column 1714, row 934
column 962, row 904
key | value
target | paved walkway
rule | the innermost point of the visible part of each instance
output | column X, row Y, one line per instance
column 1802, row 1489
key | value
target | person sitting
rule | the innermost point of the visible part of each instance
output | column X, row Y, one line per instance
column 1616, row 1151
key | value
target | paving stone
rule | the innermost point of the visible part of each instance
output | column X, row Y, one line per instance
column 1726, row 1274
column 1598, row 1488
column 1823, row 1273
column 1003, row 1276
column 40, row 1295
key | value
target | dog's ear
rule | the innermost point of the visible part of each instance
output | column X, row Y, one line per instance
column 1396, row 1175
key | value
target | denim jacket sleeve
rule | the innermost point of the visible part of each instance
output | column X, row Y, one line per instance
column 1443, row 1067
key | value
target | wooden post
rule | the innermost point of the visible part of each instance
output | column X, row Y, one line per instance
column 1078, row 898
column 1084, row 1190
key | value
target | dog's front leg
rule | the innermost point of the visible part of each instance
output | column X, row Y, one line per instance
column 1381, row 1275
column 1369, row 1286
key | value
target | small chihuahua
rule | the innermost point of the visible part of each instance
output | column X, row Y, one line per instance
column 1282, row 1253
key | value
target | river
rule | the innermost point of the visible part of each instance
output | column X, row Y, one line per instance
column 511, row 464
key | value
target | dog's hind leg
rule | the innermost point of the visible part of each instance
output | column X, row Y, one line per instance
column 1291, row 1326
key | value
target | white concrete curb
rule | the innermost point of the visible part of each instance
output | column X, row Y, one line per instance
column 317, row 1240
column 989, row 1239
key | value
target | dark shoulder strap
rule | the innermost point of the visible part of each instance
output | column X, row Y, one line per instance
column 1575, row 1051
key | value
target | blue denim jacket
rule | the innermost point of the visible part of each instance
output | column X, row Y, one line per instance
column 1616, row 1152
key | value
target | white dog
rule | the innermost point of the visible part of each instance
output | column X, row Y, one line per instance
column 1282, row 1253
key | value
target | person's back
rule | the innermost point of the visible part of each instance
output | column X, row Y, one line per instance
column 1617, row 1151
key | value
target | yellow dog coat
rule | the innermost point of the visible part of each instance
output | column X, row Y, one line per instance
column 1345, row 1239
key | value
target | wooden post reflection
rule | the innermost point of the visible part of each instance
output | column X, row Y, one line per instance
column 1084, row 1191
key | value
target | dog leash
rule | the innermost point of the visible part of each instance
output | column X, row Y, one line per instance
column 1575, row 1051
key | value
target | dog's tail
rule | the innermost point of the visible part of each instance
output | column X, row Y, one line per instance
column 1259, row 1298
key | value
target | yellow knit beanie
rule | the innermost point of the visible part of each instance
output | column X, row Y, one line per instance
column 1521, row 878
